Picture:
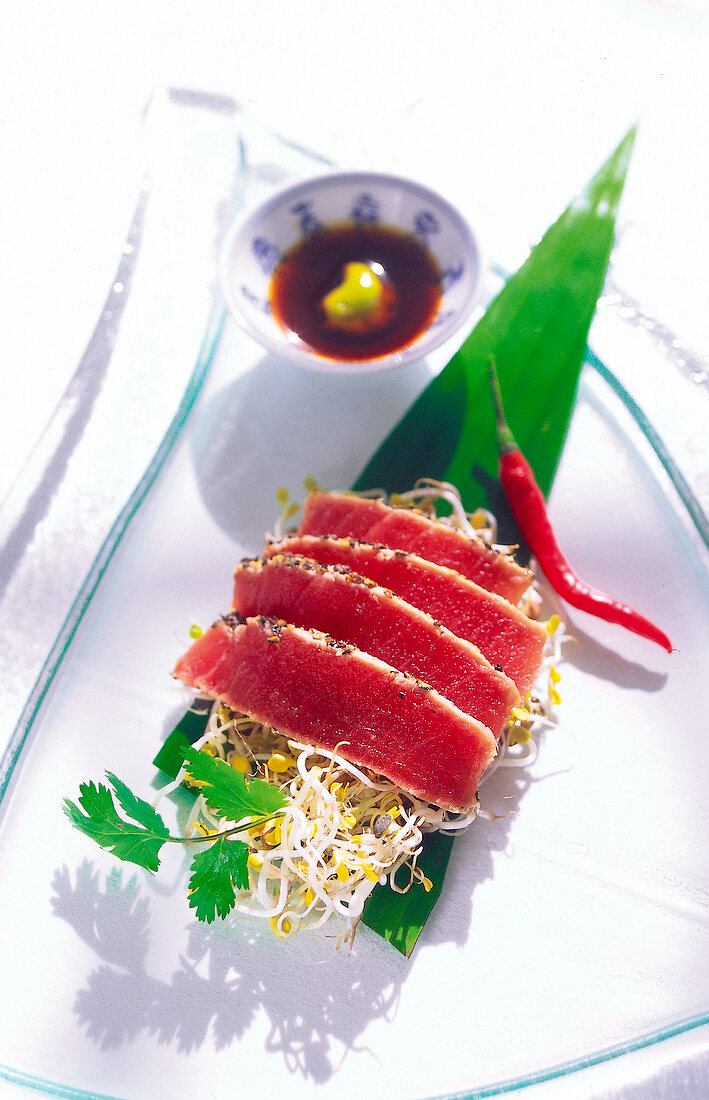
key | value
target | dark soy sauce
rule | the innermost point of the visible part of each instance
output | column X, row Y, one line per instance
column 314, row 267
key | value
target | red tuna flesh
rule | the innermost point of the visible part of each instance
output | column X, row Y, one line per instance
column 324, row 692
column 402, row 529
column 354, row 609
column 505, row 635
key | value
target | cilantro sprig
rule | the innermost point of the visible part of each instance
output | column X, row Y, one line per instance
column 138, row 834
column 214, row 874
column 228, row 791
column 99, row 819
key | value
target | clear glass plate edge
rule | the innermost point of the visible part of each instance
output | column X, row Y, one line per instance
column 65, row 500
column 667, row 461
column 577, row 1065
column 108, row 548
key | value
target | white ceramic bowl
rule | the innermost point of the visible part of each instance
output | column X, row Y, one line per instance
column 259, row 237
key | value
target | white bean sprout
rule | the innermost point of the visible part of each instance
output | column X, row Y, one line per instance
column 344, row 829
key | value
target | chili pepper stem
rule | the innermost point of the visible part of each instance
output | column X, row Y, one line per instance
column 506, row 442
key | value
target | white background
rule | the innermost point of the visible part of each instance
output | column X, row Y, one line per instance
column 509, row 105
column 514, row 104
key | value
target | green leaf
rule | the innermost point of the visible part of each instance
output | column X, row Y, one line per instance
column 401, row 923
column 101, row 822
column 137, row 808
column 214, row 873
column 536, row 329
column 172, row 753
column 228, row 792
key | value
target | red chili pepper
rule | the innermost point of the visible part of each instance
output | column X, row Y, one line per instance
column 528, row 506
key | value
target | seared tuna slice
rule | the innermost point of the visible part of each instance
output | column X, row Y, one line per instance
column 402, row 529
column 354, row 609
column 507, row 637
column 324, row 692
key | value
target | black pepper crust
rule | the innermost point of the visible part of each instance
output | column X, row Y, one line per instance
column 232, row 620
column 274, row 628
column 350, row 541
column 297, row 561
column 312, row 565
column 437, row 521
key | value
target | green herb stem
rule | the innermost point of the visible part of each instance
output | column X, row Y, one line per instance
column 224, row 832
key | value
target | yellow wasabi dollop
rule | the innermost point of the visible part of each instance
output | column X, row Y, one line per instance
column 357, row 296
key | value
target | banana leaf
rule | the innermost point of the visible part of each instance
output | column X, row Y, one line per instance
column 536, row 329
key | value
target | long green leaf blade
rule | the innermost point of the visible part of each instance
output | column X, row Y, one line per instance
column 171, row 754
column 537, row 330
column 401, row 923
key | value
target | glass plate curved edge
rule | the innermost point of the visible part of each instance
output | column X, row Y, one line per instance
column 670, row 466
column 62, row 646
column 63, row 643
column 66, row 497
column 577, row 1065
column 39, row 1085
column 108, row 548
column 264, row 148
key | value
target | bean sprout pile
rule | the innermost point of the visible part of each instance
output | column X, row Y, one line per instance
column 345, row 829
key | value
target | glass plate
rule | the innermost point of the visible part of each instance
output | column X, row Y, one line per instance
column 572, row 930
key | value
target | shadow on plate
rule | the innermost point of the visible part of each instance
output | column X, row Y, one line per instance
column 276, row 423
column 603, row 663
column 268, row 428
column 230, row 973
